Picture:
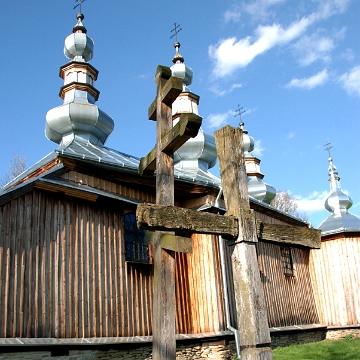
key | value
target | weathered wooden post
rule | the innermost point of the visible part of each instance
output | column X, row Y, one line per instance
column 168, row 140
column 164, row 219
column 250, row 304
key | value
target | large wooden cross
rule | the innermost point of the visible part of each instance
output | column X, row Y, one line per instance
column 163, row 219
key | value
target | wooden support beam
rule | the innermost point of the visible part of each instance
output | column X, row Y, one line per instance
column 289, row 234
column 250, row 303
column 170, row 242
column 157, row 217
column 164, row 303
column 170, row 90
column 187, row 127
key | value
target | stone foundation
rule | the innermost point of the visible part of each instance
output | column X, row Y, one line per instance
column 222, row 348
column 297, row 337
column 342, row 333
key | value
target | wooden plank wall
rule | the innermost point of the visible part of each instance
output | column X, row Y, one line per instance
column 112, row 187
column 289, row 299
column 268, row 219
column 336, row 279
column 63, row 274
column 199, row 291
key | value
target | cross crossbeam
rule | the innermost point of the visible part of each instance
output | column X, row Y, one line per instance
column 170, row 242
column 168, row 140
column 171, row 218
column 186, row 128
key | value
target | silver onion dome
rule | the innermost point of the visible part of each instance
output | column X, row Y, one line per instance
column 197, row 152
column 78, row 116
column 338, row 203
column 248, row 142
column 78, row 46
column 180, row 70
column 257, row 187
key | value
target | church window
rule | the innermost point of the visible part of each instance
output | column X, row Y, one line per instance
column 135, row 248
column 286, row 260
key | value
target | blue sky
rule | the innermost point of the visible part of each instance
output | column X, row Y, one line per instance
column 294, row 66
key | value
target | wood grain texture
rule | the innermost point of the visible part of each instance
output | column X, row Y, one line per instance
column 289, row 299
column 287, row 234
column 335, row 275
column 156, row 217
column 249, row 296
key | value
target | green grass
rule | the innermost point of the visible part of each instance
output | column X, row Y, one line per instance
column 347, row 349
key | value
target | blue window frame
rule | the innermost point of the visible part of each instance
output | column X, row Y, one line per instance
column 135, row 248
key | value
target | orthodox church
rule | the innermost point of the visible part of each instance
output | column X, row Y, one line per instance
column 74, row 267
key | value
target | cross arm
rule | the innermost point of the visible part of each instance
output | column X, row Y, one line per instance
column 294, row 235
column 187, row 127
column 170, row 91
column 170, row 242
column 171, row 218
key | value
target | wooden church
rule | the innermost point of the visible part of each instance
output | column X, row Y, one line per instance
column 335, row 267
column 73, row 263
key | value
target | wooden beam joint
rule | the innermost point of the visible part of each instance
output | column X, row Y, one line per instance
column 187, row 127
column 169, row 242
column 171, row 218
column 169, row 92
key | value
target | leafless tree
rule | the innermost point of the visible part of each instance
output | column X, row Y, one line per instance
column 16, row 167
column 286, row 202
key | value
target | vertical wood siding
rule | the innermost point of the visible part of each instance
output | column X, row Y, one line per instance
column 63, row 274
column 336, row 278
column 289, row 299
column 109, row 186
column 199, row 290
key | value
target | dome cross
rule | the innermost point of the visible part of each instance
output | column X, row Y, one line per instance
column 175, row 30
column 79, row 3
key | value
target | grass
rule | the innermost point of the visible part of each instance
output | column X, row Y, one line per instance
column 347, row 349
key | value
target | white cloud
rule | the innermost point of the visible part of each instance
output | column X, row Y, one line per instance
column 232, row 15
column 312, row 48
column 231, row 54
column 351, row 80
column 328, row 8
column 313, row 203
column 217, row 120
column 259, row 9
column 258, row 149
column 311, row 82
column 290, row 135
column 348, row 54
column 218, row 92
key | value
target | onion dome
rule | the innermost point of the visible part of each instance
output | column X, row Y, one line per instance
column 197, row 153
column 79, row 46
column 338, row 203
column 180, row 70
column 78, row 116
column 257, row 187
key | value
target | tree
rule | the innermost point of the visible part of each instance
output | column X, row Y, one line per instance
column 16, row 167
column 286, row 202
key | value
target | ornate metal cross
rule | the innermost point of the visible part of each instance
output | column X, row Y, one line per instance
column 239, row 111
column 79, row 4
column 175, row 30
column 328, row 147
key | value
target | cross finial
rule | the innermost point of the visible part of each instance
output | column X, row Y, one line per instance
column 239, row 111
column 79, row 2
column 175, row 30
column 328, row 147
